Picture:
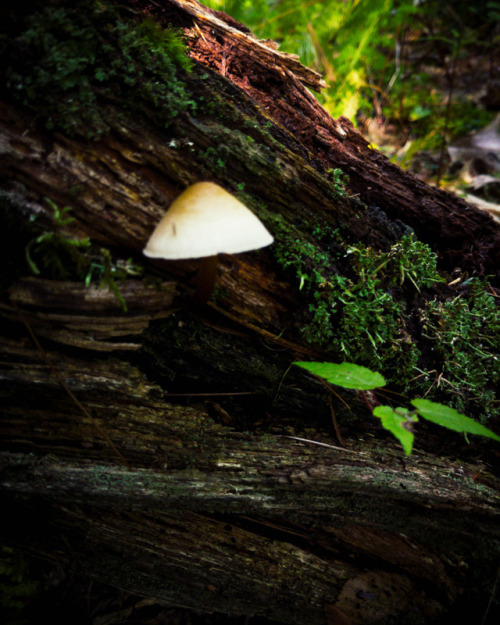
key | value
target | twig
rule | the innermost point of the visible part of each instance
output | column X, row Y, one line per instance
column 492, row 596
column 335, row 424
column 307, row 440
column 281, row 383
column 334, row 392
column 229, row 394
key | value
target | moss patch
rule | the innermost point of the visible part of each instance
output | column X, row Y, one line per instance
column 62, row 59
column 465, row 337
column 374, row 308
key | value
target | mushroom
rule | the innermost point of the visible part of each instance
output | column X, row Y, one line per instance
column 204, row 221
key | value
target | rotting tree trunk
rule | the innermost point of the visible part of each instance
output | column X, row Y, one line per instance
column 218, row 520
column 206, row 501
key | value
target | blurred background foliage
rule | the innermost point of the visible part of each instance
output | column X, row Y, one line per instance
column 412, row 70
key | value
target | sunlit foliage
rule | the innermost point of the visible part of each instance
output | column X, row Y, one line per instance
column 374, row 54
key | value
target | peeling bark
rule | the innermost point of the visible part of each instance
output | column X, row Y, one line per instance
column 173, row 452
column 273, row 80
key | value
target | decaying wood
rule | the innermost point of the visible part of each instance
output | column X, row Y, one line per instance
column 91, row 316
column 273, row 80
column 213, row 507
column 160, row 487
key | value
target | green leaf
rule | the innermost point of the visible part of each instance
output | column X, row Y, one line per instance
column 419, row 112
column 398, row 422
column 451, row 419
column 345, row 374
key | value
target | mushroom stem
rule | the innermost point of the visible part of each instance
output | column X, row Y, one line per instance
column 206, row 280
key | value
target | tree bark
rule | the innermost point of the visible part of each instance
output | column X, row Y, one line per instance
column 173, row 452
column 263, row 524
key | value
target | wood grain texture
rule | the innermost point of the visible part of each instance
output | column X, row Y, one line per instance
column 178, row 479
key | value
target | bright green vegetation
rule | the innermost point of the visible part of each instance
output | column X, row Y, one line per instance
column 64, row 58
column 360, row 314
column 399, row 421
column 345, row 374
column 465, row 335
column 376, row 56
column 369, row 307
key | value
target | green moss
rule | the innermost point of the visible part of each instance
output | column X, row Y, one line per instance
column 465, row 336
column 230, row 146
column 214, row 158
column 299, row 253
column 356, row 296
column 78, row 69
column 156, row 58
column 362, row 322
column 359, row 305
column 63, row 59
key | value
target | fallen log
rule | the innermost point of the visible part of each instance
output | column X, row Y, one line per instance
column 175, row 452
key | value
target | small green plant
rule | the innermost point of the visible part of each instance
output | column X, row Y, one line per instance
column 109, row 272
column 398, row 421
column 55, row 255
column 54, row 250
column 339, row 180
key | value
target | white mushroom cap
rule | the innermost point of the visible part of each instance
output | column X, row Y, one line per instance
column 206, row 220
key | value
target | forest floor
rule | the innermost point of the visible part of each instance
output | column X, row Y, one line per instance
column 456, row 161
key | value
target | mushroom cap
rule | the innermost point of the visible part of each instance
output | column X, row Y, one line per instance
column 206, row 220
